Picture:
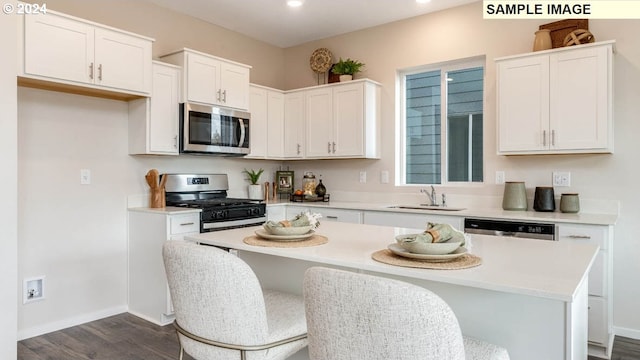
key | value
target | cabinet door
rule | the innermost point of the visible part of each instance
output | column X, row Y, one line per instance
column 122, row 61
column 234, row 86
column 523, row 104
column 259, row 122
column 164, row 117
column 348, row 120
column 59, row 48
column 294, row 125
column 319, row 123
column 275, row 129
column 579, row 100
column 340, row 215
column 203, row 79
column 409, row 220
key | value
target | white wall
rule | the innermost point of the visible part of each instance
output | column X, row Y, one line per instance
column 76, row 235
column 8, row 188
column 460, row 33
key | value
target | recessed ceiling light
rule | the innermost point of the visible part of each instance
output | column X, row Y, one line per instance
column 422, row 1
column 294, row 3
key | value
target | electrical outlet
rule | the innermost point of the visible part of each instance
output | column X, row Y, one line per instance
column 561, row 178
column 363, row 177
column 499, row 177
column 384, row 177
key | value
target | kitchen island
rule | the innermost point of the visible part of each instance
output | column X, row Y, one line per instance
column 528, row 296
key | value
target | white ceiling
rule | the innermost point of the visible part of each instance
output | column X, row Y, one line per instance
column 273, row 22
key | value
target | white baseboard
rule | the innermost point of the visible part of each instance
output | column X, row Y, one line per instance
column 63, row 324
column 626, row 332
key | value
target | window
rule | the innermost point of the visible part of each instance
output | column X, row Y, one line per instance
column 436, row 149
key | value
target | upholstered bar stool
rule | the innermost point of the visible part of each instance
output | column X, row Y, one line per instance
column 221, row 310
column 353, row 316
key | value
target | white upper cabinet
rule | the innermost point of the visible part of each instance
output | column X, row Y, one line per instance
column 211, row 80
column 294, row 125
column 343, row 120
column 67, row 50
column 557, row 101
column 267, row 123
column 154, row 121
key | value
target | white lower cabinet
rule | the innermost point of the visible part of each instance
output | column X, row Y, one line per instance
column 328, row 214
column 600, row 282
column 149, row 296
column 409, row 220
column 276, row 212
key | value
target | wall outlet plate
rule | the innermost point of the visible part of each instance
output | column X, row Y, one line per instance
column 499, row 177
column 561, row 178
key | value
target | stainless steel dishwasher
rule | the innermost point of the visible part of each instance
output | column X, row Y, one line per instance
column 520, row 229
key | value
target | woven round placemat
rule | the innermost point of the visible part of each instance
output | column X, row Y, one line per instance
column 312, row 241
column 463, row 262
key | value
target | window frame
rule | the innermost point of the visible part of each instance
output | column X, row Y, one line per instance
column 400, row 148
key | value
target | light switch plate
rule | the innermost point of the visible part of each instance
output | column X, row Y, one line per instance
column 499, row 177
column 384, row 177
column 85, row 176
column 561, row 178
column 363, row 177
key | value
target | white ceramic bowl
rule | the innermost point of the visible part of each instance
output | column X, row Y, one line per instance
column 281, row 230
column 414, row 244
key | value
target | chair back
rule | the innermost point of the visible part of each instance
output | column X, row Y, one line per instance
column 215, row 295
column 358, row 316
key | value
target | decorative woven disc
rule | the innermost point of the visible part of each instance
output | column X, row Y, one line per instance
column 320, row 60
column 577, row 37
column 463, row 262
column 315, row 240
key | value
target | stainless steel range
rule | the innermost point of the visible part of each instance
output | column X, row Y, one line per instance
column 209, row 193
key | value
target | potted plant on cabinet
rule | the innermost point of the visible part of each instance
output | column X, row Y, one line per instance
column 347, row 68
column 255, row 190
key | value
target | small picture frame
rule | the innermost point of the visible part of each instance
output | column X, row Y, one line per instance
column 285, row 182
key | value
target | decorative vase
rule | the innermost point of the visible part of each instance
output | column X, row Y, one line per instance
column 542, row 41
column 255, row 192
column 515, row 196
column 569, row 203
column 321, row 189
column 544, row 199
column 346, row 78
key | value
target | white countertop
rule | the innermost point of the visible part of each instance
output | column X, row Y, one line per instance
column 555, row 217
column 546, row 269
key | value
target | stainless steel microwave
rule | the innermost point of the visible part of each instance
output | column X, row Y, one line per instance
column 213, row 130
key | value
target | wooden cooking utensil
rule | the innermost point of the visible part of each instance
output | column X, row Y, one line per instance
column 157, row 199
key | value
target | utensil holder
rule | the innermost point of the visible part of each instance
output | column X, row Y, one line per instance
column 515, row 196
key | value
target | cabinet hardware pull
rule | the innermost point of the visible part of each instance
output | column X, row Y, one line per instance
column 224, row 96
column 100, row 72
column 298, row 149
column 175, row 142
column 544, row 137
column 334, row 147
column 218, row 97
column 329, row 147
column 332, row 217
column 579, row 236
column 91, row 71
column 553, row 138
column 187, row 224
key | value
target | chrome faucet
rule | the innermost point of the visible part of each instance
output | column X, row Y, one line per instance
column 432, row 196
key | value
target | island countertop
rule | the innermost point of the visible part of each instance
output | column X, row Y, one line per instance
column 543, row 269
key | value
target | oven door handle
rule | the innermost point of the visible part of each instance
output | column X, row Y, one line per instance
column 225, row 224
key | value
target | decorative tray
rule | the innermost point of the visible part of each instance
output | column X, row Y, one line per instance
column 307, row 198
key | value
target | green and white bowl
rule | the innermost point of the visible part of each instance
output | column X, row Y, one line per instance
column 281, row 230
column 421, row 244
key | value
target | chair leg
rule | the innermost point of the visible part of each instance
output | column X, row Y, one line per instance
column 243, row 355
column 181, row 352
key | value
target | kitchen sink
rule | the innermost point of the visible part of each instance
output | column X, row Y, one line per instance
column 426, row 207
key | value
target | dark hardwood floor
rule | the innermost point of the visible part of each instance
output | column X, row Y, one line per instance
column 127, row 337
